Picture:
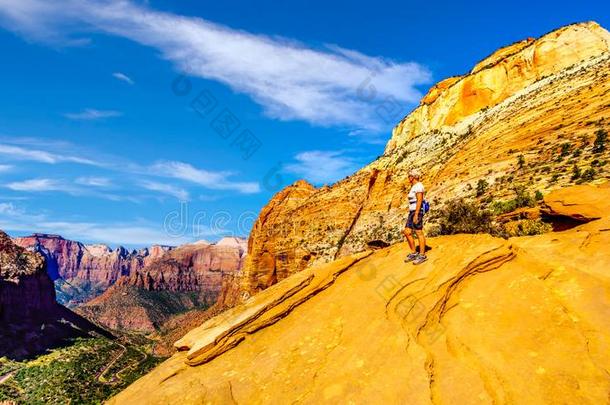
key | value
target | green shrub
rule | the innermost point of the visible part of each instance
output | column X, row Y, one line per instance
column 523, row 198
column 554, row 178
column 538, row 196
column 520, row 161
column 589, row 174
column 463, row 216
column 526, row 227
column 575, row 172
column 601, row 137
column 565, row 149
column 482, row 187
column 502, row 207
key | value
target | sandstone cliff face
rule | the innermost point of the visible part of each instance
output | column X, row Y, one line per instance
column 540, row 101
column 188, row 277
column 500, row 76
column 30, row 319
column 484, row 320
column 26, row 292
column 196, row 267
column 97, row 265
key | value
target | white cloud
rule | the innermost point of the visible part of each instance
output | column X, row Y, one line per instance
column 36, row 185
column 94, row 181
column 90, row 114
column 168, row 189
column 5, row 168
column 24, row 149
column 208, row 179
column 42, row 185
column 21, row 153
column 328, row 86
column 123, row 77
column 321, row 167
column 120, row 234
column 9, row 209
column 139, row 233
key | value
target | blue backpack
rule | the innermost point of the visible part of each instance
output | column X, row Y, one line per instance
column 425, row 206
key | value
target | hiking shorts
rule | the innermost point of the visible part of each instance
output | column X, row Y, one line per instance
column 415, row 223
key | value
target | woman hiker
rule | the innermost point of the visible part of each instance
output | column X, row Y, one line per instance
column 415, row 222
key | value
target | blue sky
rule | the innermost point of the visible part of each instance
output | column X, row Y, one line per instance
column 132, row 122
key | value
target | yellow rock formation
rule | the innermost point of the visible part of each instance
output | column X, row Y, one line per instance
column 532, row 99
column 499, row 76
column 485, row 320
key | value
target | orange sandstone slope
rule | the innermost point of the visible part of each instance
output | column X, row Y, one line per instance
column 527, row 99
column 485, row 320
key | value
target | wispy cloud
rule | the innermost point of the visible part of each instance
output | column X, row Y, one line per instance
column 5, row 168
column 17, row 220
column 325, row 86
column 36, row 185
column 27, row 153
column 73, row 188
column 321, row 167
column 208, row 179
column 113, row 233
column 129, row 171
column 9, row 209
column 90, row 114
column 94, row 181
column 168, row 189
column 123, row 77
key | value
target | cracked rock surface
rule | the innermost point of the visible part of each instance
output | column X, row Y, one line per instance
column 484, row 320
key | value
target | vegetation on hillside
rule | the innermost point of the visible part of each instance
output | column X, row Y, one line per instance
column 130, row 308
column 87, row 372
column 569, row 159
column 462, row 215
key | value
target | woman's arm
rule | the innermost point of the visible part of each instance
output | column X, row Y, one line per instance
column 420, row 201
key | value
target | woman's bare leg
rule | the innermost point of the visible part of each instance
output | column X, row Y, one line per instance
column 422, row 241
column 408, row 233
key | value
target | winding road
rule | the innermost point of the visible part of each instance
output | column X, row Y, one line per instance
column 117, row 375
column 100, row 374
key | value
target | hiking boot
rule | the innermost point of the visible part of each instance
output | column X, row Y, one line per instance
column 410, row 257
column 420, row 259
